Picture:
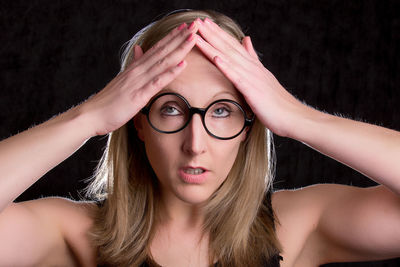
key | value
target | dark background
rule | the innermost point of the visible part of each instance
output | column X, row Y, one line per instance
column 338, row 56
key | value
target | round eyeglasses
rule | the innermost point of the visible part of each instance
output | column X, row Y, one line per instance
column 170, row 112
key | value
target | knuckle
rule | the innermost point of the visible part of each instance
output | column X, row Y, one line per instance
column 183, row 48
column 163, row 50
column 139, row 96
column 156, row 46
column 183, row 33
column 160, row 65
column 173, row 71
column 156, row 82
column 161, row 62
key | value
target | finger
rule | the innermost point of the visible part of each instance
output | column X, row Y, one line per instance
column 248, row 45
column 220, row 39
column 153, row 86
column 162, row 48
column 228, row 68
column 165, row 40
column 208, row 50
column 137, row 62
column 235, row 71
column 143, row 76
column 138, row 52
column 237, row 78
column 174, row 57
column 144, row 68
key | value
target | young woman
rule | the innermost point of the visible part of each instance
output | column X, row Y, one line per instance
column 186, row 176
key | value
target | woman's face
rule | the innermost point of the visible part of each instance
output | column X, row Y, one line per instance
column 191, row 164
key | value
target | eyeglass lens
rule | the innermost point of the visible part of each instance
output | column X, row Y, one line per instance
column 170, row 113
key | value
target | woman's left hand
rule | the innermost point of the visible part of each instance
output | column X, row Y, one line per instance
column 275, row 107
column 372, row 150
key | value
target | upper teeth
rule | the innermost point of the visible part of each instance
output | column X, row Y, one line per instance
column 193, row 171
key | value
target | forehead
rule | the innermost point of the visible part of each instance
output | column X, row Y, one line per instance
column 201, row 81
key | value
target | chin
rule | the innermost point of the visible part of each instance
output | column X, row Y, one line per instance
column 194, row 197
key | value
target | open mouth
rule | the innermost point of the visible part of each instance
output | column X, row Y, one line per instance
column 193, row 171
column 193, row 175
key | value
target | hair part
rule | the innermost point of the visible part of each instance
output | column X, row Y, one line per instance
column 239, row 217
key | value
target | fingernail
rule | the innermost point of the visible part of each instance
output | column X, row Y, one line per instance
column 191, row 26
column 190, row 38
column 182, row 26
column 207, row 20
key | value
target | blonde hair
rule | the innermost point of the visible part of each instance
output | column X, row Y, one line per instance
column 239, row 217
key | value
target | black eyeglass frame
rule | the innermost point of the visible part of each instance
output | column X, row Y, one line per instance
column 201, row 111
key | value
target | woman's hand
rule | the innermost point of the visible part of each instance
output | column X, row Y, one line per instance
column 130, row 90
column 372, row 150
column 273, row 105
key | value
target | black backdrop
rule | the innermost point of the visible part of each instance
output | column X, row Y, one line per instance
column 339, row 56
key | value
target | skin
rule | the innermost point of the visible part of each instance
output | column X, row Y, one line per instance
column 317, row 224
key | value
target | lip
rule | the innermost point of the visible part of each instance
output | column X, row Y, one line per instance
column 193, row 178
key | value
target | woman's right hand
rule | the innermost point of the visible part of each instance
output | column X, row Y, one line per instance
column 44, row 146
column 130, row 90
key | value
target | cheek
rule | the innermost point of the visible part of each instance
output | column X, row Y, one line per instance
column 161, row 151
column 226, row 157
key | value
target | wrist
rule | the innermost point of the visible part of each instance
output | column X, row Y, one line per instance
column 305, row 123
column 80, row 121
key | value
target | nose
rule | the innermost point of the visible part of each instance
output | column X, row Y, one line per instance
column 195, row 136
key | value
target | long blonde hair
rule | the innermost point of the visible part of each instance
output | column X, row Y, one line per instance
column 239, row 218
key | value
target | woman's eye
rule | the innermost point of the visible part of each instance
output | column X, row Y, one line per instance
column 221, row 112
column 170, row 111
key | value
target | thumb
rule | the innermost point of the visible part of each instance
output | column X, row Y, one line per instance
column 247, row 44
column 138, row 52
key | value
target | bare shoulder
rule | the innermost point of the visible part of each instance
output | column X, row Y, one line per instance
column 298, row 213
column 53, row 231
column 313, row 199
column 75, row 220
column 308, row 197
column 58, row 207
column 327, row 223
column 68, row 213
